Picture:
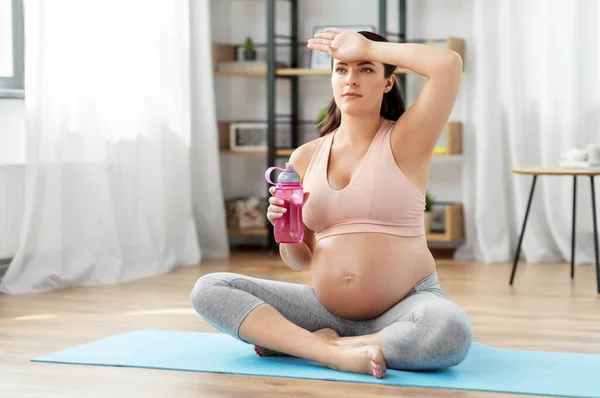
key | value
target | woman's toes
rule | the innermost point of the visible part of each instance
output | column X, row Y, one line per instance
column 377, row 361
column 377, row 369
column 265, row 352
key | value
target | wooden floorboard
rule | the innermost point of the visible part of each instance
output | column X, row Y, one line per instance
column 544, row 310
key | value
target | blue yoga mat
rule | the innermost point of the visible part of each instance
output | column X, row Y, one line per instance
column 484, row 369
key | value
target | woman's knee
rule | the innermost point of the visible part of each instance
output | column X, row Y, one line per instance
column 448, row 334
column 440, row 338
column 205, row 292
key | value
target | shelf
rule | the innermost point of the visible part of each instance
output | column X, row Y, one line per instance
column 302, row 72
column 228, row 53
column 445, row 244
column 438, row 237
column 241, row 73
column 249, row 231
column 278, row 152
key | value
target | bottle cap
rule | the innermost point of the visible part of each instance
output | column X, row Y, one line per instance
column 288, row 175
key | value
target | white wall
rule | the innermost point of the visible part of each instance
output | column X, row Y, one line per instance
column 244, row 97
column 12, row 131
column 12, row 195
column 12, row 173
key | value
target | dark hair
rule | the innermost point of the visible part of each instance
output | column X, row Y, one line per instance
column 392, row 106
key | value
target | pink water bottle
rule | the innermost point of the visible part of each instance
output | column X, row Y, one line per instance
column 289, row 228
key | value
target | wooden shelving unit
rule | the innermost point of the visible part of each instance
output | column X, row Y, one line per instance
column 291, row 72
column 453, row 225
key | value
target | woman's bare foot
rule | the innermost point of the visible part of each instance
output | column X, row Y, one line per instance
column 367, row 359
column 353, row 356
column 328, row 334
column 369, row 339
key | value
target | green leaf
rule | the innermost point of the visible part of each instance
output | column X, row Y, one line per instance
column 249, row 45
column 322, row 114
column 428, row 201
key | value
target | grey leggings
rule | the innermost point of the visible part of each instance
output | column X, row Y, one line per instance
column 424, row 331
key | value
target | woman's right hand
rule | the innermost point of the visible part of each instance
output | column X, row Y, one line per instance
column 274, row 211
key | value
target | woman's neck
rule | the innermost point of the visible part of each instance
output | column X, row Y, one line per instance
column 358, row 129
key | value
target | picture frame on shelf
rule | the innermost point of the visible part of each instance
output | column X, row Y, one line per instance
column 248, row 136
column 246, row 212
column 320, row 60
column 439, row 218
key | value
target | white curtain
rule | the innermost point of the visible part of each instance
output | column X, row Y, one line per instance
column 109, row 121
column 534, row 74
column 207, row 191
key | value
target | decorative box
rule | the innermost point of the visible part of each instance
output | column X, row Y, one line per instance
column 246, row 212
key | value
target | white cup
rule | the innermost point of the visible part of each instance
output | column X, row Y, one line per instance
column 593, row 155
column 575, row 155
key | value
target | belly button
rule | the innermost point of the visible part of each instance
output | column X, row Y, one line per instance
column 349, row 278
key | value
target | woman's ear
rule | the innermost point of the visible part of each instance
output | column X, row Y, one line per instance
column 389, row 83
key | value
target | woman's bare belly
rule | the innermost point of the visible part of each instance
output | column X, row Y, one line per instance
column 360, row 276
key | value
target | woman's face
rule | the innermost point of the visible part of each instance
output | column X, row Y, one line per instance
column 358, row 87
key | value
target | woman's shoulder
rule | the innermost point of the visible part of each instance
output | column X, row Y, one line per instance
column 302, row 155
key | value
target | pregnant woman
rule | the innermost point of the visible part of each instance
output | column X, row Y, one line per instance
column 375, row 300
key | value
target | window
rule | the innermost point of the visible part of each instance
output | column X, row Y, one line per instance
column 11, row 45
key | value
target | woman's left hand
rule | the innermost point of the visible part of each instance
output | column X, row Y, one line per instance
column 341, row 44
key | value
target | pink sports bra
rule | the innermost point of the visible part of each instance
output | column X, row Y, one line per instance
column 380, row 198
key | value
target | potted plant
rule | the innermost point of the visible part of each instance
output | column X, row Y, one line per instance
column 428, row 212
column 249, row 50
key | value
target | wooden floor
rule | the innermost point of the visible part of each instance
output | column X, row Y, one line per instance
column 544, row 310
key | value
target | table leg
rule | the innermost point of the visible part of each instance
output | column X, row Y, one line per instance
column 518, row 252
column 595, row 233
column 573, row 223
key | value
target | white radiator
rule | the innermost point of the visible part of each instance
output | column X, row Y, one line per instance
column 12, row 196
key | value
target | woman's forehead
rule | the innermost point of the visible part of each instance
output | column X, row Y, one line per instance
column 357, row 63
